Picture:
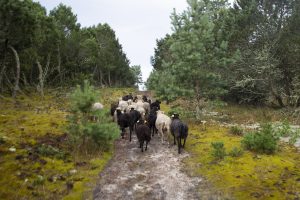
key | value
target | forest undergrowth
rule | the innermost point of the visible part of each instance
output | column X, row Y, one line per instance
column 37, row 160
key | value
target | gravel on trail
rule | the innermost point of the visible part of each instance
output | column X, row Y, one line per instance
column 153, row 174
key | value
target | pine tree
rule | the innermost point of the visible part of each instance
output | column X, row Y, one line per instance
column 197, row 53
column 81, row 128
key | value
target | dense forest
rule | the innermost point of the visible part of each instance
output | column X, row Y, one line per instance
column 39, row 50
column 244, row 53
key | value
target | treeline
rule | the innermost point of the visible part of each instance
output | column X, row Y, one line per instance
column 39, row 49
column 245, row 53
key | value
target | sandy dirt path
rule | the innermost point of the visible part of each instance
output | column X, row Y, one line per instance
column 154, row 174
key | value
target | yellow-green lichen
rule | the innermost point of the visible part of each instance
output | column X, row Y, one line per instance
column 249, row 176
column 89, row 177
column 28, row 124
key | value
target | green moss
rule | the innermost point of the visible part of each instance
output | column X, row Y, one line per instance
column 24, row 125
column 98, row 164
column 77, row 192
column 249, row 176
column 166, row 108
column 84, row 188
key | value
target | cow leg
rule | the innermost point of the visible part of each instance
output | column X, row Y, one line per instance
column 142, row 146
column 130, row 132
column 122, row 132
column 184, row 142
column 152, row 130
column 174, row 139
column 179, row 145
column 163, row 137
column 146, row 145
column 160, row 132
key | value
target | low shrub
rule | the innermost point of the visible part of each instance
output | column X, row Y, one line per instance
column 283, row 129
column 294, row 136
column 262, row 141
column 80, row 128
column 218, row 150
column 182, row 112
column 236, row 152
column 50, row 151
column 39, row 180
column 236, row 130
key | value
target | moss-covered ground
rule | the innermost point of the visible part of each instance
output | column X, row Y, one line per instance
column 250, row 175
column 36, row 161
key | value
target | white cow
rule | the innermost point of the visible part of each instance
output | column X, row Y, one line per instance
column 96, row 107
column 162, row 124
column 123, row 105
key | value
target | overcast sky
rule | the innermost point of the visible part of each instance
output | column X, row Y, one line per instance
column 137, row 23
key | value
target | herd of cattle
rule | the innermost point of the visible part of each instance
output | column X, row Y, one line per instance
column 144, row 117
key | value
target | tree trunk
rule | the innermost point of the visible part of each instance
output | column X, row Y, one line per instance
column 59, row 64
column 25, row 80
column 41, row 80
column 275, row 93
column 17, row 78
column 95, row 72
column 3, row 71
column 101, row 77
column 279, row 100
column 47, row 67
column 10, row 85
column 287, row 81
column 277, row 96
column 109, row 81
column 297, row 102
column 1, row 77
column 198, row 100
